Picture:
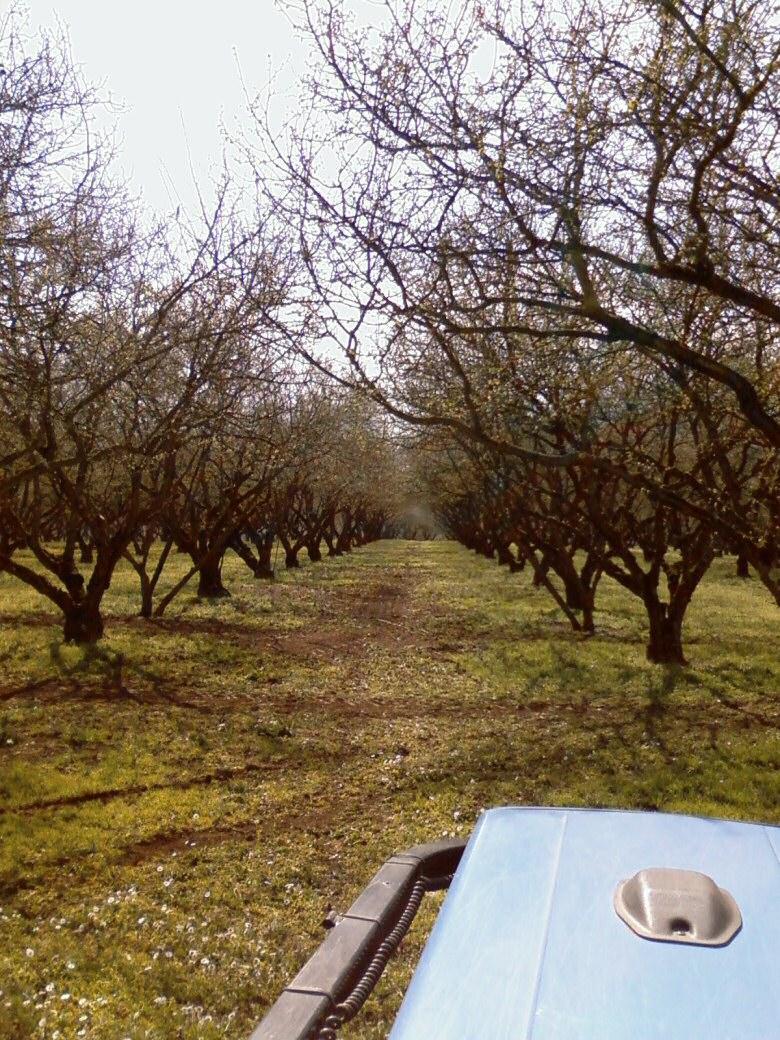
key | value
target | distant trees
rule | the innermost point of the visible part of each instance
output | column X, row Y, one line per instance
column 647, row 504
column 545, row 236
column 144, row 372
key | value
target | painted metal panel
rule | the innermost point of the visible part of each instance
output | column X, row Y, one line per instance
column 528, row 945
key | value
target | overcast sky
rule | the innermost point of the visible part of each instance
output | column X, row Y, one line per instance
column 173, row 67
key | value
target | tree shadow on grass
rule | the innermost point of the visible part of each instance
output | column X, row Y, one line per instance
column 111, row 668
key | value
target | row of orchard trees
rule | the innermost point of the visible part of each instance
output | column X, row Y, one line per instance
column 665, row 484
column 149, row 399
column 545, row 235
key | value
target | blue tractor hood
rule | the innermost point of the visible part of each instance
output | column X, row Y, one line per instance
column 530, row 944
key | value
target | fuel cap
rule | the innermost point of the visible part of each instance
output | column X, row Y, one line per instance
column 681, row 906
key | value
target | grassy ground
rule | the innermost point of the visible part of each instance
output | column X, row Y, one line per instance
column 173, row 832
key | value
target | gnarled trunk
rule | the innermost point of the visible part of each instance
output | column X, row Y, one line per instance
column 665, row 642
column 313, row 549
column 259, row 565
column 83, row 623
column 540, row 572
column 210, row 580
column 265, row 547
column 575, row 594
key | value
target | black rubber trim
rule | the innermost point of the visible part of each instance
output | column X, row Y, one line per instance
column 339, row 962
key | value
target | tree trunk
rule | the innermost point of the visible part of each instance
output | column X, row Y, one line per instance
column 291, row 559
column 575, row 594
column 313, row 549
column 665, row 642
column 505, row 557
column 265, row 548
column 264, row 568
column 260, row 566
column 210, row 580
column 743, row 569
column 83, row 623
column 86, row 555
column 588, row 610
column 147, row 597
column 540, row 572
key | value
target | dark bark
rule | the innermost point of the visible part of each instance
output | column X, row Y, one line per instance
column 210, row 580
column 665, row 642
column 487, row 549
column 265, row 547
column 83, row 623
column 147, row 597
column 540, row 572
column 313, row 549
column 743, row 568
column 291, row 559
column 541, row 580
column 259, row 565
column 588, row 610
column 504, row 555
column 575, row 593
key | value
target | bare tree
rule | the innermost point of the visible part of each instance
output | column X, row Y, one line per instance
column 521, row 179
column 117, row 346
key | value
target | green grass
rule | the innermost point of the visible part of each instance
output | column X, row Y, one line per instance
column 173, row 832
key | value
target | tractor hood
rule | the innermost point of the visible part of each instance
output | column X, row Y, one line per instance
column 596, row 925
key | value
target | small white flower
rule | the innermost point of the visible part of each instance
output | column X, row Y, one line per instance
column 65, row 996
column 29, row 952
column 49, row 987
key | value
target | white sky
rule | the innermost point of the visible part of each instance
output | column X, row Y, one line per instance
column 172, row 66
